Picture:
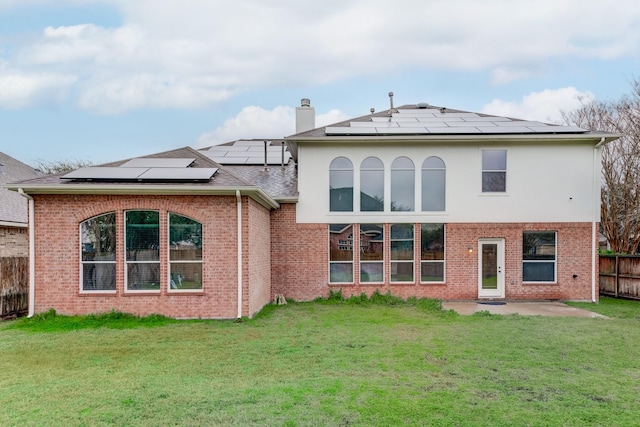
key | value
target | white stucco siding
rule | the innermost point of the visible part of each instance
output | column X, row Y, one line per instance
column 545, row 183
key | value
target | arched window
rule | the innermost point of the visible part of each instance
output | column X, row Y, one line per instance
column 185, row 253
column 98, row 248
column 402, row 185
column 341, row 185
column 433, row 184
column 371, row 185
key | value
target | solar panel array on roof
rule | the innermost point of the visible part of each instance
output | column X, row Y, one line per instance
column 152, row 162
column 120, row 173
column 432, row 121
column 247, row 153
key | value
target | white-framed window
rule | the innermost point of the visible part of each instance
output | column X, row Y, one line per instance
column 433, row 184
column 432, row 253
column 340, row 255
column 98, row 253
column 402, row 253
column 185, row 253
column 371, row 253
column 371, row 185
column 403, row 193
column 539, row 256
column 341, row 185
column 494, row 171
column 142, row 250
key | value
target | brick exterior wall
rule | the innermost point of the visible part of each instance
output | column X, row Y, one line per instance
column 304, row 276
column 257, row 284
column 299, row 256
column 57, row 257
column 14, row 241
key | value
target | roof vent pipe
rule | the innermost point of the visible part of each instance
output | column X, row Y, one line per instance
column 305, row 116
column 265, row 156
column 282, row 155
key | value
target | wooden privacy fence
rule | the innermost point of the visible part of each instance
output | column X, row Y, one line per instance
column 14, row 286
column 620, row 276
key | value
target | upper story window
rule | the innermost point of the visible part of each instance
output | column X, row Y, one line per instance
column 402, row 185
column 341, row 185
column 494, row 171
column 371, row 185
column 98, row 248
column 433, row 184
column 142, row 242
column 185, row 253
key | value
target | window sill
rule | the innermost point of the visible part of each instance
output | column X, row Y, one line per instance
column 496, row 194
column 98, row 293
column 433, row 283
column 141, row 293
column 539, row 283
column 198, row 292
column 402, row 283
column 341, row 284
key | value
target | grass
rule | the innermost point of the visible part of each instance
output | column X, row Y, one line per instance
column 360, row 362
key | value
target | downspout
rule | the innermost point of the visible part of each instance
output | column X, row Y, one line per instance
column 239, row 201
column 596, row 205
column 32, row 254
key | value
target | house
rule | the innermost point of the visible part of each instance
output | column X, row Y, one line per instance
column 13, row 208
column 417, row 200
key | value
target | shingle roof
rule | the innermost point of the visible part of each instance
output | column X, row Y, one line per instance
column 13, row 207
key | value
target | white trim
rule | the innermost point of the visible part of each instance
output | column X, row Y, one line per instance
column 239, row 204
column 14, row 224
column 32, row 254
column 596, row 214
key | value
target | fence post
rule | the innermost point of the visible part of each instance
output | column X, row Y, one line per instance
column 616, row 290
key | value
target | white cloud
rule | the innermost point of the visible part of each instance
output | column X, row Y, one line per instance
column 545, row 106
column 19, row 90
column 169, row 54
column 256, row 122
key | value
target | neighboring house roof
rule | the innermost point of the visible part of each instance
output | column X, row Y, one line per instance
column 13, row 207
column 180, row 171
column 430, row 123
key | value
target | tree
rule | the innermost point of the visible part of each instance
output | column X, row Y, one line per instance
column 59, row 166
column 620, row 195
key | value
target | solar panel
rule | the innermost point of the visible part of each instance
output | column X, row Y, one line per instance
column 178, row 174
column 145, row 162
column 105, row 173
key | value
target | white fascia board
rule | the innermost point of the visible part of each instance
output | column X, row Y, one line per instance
column 462, row 139
column 152, row 190
column 13, row 224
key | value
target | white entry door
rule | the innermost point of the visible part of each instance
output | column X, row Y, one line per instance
column 491, row 268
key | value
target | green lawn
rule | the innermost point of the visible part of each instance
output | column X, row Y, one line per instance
column 319, row 364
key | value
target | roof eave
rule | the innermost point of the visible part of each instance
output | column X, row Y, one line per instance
column 13, row 224
column 152, row 190
column 462, row 138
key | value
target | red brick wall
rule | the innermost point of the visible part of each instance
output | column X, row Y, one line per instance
column 300, row 261
column 258, row 235
column 299, row 256
column 57, row 221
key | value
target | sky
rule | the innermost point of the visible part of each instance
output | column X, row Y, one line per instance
column 105, row 80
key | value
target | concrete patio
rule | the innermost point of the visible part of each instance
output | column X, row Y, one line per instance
column 545, row 308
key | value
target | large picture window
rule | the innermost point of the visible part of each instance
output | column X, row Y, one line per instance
column 142, row 241
column 402, row 185
column 340, row 253
column 371, row 253
column 433, row 184
column 341, row 185
column 371, row 185
column 185, row 253
column 402, row 252
column 494, row 171
column 539, row 256
column 98, row 249
column 432, row 246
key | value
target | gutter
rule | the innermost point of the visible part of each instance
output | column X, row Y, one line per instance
column 32, row 255
column 596, row 216
column 239, row 202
